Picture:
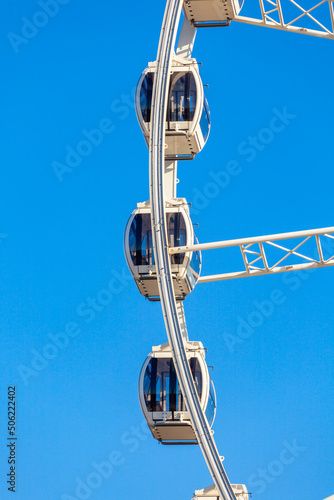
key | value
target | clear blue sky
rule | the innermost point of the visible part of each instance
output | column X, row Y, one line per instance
column 61, row 246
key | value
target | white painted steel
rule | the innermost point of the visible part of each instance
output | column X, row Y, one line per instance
column 168, row 303
column 187, row 39
column 211, row 11
column 245, row 274
column 170, row 179
column 259, row 265
column 210, row 493
column 182, row 320
column 270, row 8
column 257, row 239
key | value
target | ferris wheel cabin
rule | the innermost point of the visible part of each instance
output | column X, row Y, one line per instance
column 209, row 11
column 138, row 247
column 160, row 396
column 188, row 115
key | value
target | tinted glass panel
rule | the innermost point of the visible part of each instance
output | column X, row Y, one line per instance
column 146, row 97
column 205, row 120
column 197, row 375
column 182, row 97
column 176, row 235
column 140, row 238
column 161, row 388
column 211, row 406
column 196, row 262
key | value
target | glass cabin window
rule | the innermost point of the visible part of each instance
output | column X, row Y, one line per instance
column 146, row 97
column 182, row 97
column 205, row 120
column 197, row 375
column 161, row 387
column 140, row 238
column 210, row 411
column 177, row 236
column 196, row 262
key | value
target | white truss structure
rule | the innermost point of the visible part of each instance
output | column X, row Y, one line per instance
column 288, row 15
column 257, row 258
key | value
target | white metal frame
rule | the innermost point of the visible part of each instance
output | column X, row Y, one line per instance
column 278, row 8
column 256, row 251
column 173, row 311
column 211, row 12
column 210, row 492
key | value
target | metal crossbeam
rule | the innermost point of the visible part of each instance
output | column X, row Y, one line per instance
column 258, row 256
column 288, row 15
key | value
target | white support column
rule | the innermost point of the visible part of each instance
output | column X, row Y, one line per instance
column 187, row 39
column 182, row 320
column 170, row 179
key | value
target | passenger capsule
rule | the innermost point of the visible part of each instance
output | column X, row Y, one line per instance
column 161, row 399
column 138, row 249
column 188, row 116
column 209, row 11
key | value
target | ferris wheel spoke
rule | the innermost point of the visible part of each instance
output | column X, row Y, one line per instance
column 317, row 251
column 311, row 21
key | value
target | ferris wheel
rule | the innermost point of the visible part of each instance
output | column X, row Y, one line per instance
column 176, row 393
